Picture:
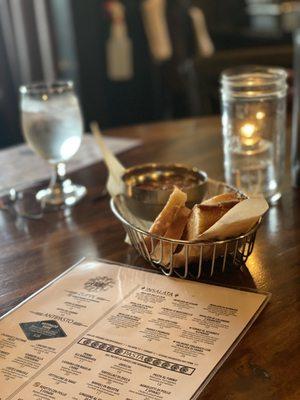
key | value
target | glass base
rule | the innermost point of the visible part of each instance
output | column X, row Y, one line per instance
column 66, row 194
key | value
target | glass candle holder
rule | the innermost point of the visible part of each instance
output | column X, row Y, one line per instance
column 254, row 124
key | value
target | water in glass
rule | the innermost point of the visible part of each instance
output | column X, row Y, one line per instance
column 53, row 126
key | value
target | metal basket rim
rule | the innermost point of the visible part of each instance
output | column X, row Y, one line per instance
column 117, row 213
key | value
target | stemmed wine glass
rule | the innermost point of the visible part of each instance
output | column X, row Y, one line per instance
column 53, row 127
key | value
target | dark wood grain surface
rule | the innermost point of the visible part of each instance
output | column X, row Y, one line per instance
column 266, row 364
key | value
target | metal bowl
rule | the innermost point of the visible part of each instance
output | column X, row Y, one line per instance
column 148, row 203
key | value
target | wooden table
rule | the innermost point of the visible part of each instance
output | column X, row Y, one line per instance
column 265, row 365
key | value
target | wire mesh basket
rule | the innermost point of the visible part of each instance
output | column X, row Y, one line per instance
column 198, row 258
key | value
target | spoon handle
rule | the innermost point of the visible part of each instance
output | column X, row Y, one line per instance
column 115, row 168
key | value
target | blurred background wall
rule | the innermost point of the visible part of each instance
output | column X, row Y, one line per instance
column 69, row 39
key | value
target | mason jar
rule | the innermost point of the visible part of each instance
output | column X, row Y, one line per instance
column 254, row 126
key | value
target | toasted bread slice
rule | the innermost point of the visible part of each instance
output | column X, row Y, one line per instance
column 175, row 231
column 163, row 221
column 206, row 214
column 222, row 198
column 203, row 216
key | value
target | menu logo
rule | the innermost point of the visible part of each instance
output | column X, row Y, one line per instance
column 99, row 284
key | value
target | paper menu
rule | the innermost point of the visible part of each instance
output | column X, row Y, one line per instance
column 104, row 331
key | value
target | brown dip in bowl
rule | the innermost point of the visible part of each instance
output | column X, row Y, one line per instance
column 147, row 187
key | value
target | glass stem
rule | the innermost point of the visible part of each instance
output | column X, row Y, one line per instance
column 58, row 176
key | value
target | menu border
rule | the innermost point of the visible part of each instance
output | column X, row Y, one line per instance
column 195, row 396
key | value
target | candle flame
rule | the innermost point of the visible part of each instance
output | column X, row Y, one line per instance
column 247, row 130
column 249, row 134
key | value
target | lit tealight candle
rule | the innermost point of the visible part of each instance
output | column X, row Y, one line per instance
column 249, row 134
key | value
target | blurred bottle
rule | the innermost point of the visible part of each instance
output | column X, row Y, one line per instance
column 119, row 45
column 203, row 40
column 295, row 147
column 156, row 27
